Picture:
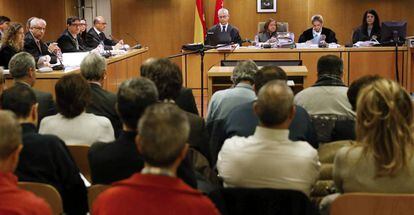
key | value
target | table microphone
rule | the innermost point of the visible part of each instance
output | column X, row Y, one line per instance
column 322, row 43
column 137, row 46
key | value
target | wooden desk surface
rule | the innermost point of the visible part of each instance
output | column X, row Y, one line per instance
column 59, row 73
column 228, row 70
column 248, row 49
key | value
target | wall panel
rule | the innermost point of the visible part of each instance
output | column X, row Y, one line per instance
column 164, row 25
column 53, row 11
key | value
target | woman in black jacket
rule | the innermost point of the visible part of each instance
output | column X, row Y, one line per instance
column 370, row 28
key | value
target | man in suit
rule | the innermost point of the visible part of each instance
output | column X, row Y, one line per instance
column 70, row 40
column 4, row 24
column 315, row 33
column 168, row 79
column 120, row 159
column 96, row 36
column 34, row 45
column 44, row 158
column 93, row 69
column 23, row 70
column 223, row 33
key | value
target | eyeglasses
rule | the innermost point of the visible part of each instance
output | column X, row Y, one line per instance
column 40, row 28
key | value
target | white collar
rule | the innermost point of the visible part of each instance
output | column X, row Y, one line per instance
column 316, row 34
column 221, row 26
column 96, row 30
column 271, row 134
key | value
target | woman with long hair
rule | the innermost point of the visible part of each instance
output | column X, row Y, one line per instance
column 370, row 28
column 12, row 43
column 268, row 33
column 382, row 160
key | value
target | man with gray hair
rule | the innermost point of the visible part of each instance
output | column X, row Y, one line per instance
column 14, row 200
column 314, row 34
column 223, row 33
column 93, row 69
column 223, row 101
column 34, row 45
column 163, row 126
column 22, row 68
column 268, row 158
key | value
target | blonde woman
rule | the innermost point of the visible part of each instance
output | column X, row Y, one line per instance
column 12, row 43
column 382, row 161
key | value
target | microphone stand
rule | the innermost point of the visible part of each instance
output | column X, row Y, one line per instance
column 202, row 53
column 396, row 39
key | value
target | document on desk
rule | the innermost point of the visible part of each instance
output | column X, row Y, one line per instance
column 73, row 59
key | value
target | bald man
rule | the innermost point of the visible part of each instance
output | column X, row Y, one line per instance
column 96, row 36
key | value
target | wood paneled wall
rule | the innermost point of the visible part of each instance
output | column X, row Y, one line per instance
column 164, row 25
column 53, row 11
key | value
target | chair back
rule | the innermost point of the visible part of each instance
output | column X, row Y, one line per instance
column 260, row 26
column 324, row 125
column 79, row 154
column 94, row 191
column 282, row 27
column 47, row 192
column 264, row 201
column 373, row 204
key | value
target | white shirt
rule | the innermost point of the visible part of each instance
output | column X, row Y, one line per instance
column 268, row 159
column 226, row 27
column 96, row 30
column 85, row 129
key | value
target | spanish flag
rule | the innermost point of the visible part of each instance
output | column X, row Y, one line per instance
column 219, row 5
column 199, row 22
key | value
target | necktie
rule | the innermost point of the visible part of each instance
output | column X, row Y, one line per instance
column 38, row 45
column 102, row 36
column 223, row 28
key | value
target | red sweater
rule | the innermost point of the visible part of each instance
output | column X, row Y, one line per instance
column 152, row 194
column 19, row 202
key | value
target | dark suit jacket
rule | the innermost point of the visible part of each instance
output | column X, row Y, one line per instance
column 93, row 40
column 198, row 138
column 120, row 159
column 308, row 35
column 67, row 43
column 47, row 106
column 46, row 159
column 6, row 53
column 215, row 36
column 31, row 47
column 361, row 35
column 186, row 101
column 103, row 104
column 242, row 121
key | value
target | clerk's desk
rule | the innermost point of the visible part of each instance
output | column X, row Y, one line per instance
column 219, row 77
column 357, row 62
column 120, row 68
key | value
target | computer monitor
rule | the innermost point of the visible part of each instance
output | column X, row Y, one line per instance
column 391, row 31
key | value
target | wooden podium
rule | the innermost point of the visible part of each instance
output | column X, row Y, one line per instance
column 120, row 68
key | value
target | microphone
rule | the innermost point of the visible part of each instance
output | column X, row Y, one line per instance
column 137, row 46
column 247, row 40
column 322, row 42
